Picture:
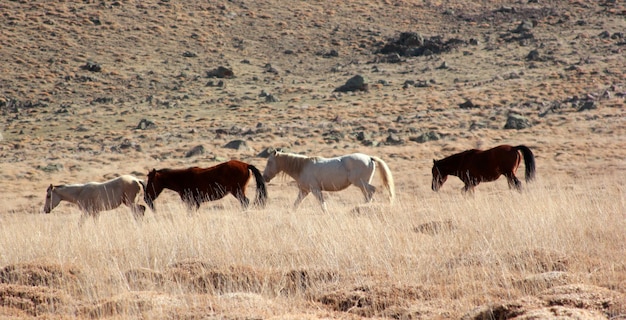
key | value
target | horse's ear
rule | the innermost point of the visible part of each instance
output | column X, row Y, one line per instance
column 434, row 161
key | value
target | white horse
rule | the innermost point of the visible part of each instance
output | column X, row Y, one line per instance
column 317, row 174
column 93, row 197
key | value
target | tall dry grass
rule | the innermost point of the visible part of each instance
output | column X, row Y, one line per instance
column 459, row 250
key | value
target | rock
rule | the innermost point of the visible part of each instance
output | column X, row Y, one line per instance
column 394, row 139
column 362, row 136
column 533, row 55
column 587, row 105
column 411, row 44
column 195, row 151
column 444, row 65
column 524, row 27
column 269, row 98
column 92, row 66
column 468, row 104
column 425, row 137
column 220, row 72
column 516, row 121
column 237, row 145
column 356, row 83
column 51, row 167
column 145, row 124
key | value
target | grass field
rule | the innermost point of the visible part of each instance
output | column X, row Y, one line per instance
column 438, row 255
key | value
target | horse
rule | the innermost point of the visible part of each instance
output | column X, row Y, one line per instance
column 317, row 174
column 195, row 185
column 475, row 166
column 94, row 197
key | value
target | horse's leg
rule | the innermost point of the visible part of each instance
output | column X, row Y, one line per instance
column 243, row 200
column 301, row 195
column 469, row 187
column 368, row 191
column 138, row 211
column 513, row 181
column 320, row 197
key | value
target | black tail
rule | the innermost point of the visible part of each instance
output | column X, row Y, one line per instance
column 261, row 189
column 529, row 162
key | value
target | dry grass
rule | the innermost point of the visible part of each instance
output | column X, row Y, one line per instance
column 366, row 260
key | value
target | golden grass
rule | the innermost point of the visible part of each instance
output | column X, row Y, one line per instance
column 446, row 249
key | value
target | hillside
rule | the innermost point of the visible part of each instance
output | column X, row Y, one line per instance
column 93, row 89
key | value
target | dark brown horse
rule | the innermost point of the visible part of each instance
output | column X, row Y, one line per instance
column 196, row 185
column 476, row 166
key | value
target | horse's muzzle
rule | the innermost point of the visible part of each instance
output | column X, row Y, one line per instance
column 266, row 179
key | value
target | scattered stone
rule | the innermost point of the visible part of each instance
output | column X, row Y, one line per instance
column 269, row 69
column 92, row 66
column 524, row 27
column 195, row 151
column 237, row 145
column 51, row 167
column 329, row 54
column 587, row 105
column 333, row 136
column 425, row 137
column 189, row 54
column 394, row 139
column 468, row 104
column 220, row 72
column 412, row 44
column 218, row 84
column 145, row 124
column 362, row 136
column 444, row 65
column 533, row 55
column 269, row 98
column 391, row 58
column 516, row 121
column 102, row 100
column 356, row 83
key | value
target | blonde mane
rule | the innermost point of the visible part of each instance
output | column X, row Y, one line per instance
column 292, row 163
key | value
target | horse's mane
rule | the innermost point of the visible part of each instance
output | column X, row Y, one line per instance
column 293, row 163
column 455, row 159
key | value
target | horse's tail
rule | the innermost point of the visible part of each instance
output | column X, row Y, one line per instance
column 142, row 187
column 529, row 162
column 386, row 176
column 261, row 189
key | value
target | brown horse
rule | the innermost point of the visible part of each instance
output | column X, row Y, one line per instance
column 476, row 166
column 196, row 185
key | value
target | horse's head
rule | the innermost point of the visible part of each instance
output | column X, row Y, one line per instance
column 438, row 177
column 271, row 168
column 153, row 188
column 51, row 200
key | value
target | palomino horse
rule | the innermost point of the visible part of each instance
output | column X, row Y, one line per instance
column 196, row 185
column 93, row 197
column 317, row 174
column 476, row 166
